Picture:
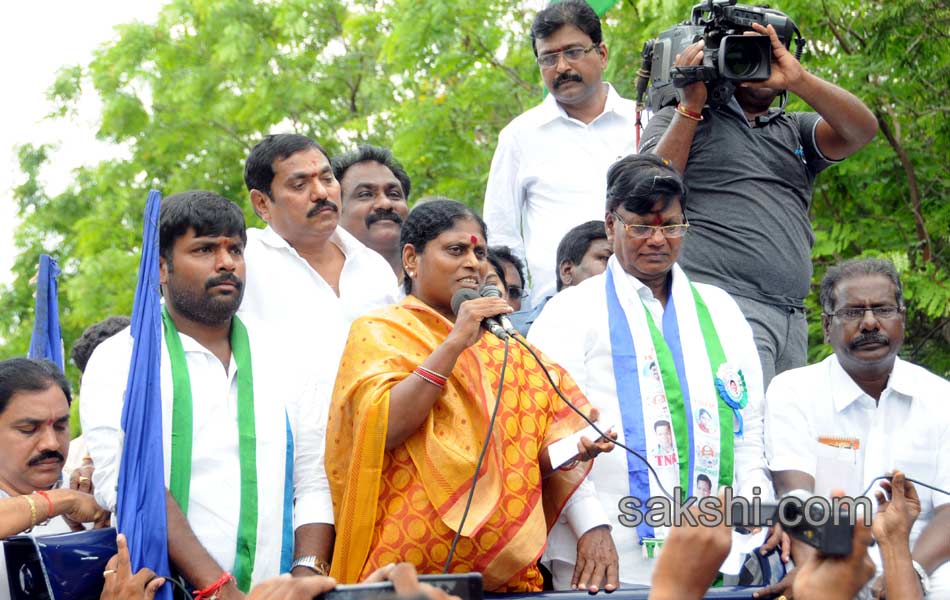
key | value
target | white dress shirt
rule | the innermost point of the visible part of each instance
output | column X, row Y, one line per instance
column 284, row 292
column 909, row 429
column 215, row 494
column 573, row 330
column 549, row 174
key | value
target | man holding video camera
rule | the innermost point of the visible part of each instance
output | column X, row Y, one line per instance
column 750, row 169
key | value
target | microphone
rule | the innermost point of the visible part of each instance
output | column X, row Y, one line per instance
column 492, row 325
column 503, row 320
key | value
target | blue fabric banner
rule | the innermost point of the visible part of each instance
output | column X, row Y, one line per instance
column 140, row 505
column 47, row 339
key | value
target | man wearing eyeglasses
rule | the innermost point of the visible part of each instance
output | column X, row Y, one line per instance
column 654, row 352
column 547, row 174
column 863, row 412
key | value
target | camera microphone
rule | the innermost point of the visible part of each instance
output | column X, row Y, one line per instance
column 490, row 323
column 503, row 320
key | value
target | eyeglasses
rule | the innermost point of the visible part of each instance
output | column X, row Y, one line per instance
column 516, row 292
column 640, row 232
column 571, row 55
column 854, row 313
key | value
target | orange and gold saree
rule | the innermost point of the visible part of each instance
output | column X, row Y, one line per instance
column 406, row 504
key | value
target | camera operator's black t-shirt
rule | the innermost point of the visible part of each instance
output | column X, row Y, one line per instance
column 749, row 191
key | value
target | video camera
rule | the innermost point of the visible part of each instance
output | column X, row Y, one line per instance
column 822, row 525
column 729, row 56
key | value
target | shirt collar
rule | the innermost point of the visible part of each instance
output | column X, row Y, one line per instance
column 552, row 110
column 844, row 390
column 341, row 237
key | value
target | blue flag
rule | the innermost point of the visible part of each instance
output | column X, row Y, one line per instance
column 47, row 340
column 140, row 506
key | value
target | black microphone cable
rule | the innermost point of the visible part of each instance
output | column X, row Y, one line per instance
column 890, row 477
column 518, row 338
column 481, row 458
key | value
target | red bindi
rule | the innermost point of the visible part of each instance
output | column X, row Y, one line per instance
column 474, row 239
column 657, row 219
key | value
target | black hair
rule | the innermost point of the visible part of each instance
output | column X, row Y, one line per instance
column 639, row 181
column 569, row 12
column 576, row 242
column 427, row 221
column 856, row 267
column 259, row 166
column 367, row 153
column 662, row 423
column 30, row 375
column 504, row 254
column 94, row 335
column 496, row 263
column 205, row 212
column 702, row 477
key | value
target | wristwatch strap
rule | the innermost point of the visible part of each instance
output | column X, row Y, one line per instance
column 318, row 566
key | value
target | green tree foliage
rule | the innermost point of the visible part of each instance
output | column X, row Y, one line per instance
column 187, row 97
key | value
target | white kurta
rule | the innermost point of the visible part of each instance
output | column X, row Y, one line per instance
column 549, row 174
column 301, row 309
column 909, row 429
column 573, row 330
column 214, row 501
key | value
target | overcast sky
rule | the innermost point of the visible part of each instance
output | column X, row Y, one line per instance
column 36, row 39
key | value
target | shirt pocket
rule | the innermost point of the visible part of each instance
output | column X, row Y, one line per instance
column 837, row 469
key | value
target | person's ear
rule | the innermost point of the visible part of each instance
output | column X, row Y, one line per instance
column 609, row 226
column 566, row 273
column 260, row 202
column 410, row 260
column 602, row 51
column 826, row 327
column 162, row 271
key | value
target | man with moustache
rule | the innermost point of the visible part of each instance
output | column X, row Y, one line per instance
column 549, row 169
column 34, row 442
column 750, row 170
column 308, row 278
column 863, row 412
column 375, row 196
column 247, row 491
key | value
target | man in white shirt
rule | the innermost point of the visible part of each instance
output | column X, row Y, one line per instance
column 863, row 412
column 652, row 351
column 374, row 190
column 243, row 454
column 551, row 162
column 307, row 277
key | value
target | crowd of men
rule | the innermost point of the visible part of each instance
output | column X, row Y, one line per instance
column 669, row 284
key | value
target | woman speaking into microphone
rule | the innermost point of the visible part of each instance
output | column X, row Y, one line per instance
column 412, row 410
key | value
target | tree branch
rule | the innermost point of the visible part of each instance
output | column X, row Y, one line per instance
column 895, row 143
column 845, row 44
column 512, row 74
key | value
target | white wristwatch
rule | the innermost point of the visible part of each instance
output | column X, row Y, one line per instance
column 922, row 576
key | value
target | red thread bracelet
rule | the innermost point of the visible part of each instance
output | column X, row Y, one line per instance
column 49, row 503
column 211, row 592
